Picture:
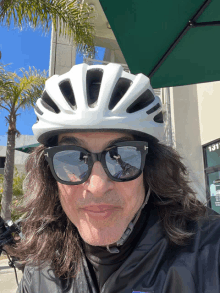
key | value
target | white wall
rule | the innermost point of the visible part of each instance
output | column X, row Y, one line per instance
column 209, row 106
column 62, row 54
column 186, row 123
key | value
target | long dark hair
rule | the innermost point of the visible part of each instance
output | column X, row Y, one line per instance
column 50, row 237
column 176, row 201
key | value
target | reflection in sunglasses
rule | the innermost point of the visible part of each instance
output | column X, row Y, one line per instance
column 72, row 177
column 127, row 168
column 129, row 171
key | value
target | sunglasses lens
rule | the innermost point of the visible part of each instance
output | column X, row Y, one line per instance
column 123, row 162
column 70, row 165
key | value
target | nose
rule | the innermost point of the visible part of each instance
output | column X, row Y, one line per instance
column 98, row 182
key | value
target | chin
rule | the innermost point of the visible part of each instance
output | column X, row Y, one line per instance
column 100, row 243
column 96, row 237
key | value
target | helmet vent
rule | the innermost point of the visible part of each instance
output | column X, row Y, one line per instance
column 119, row 91
column 93, row 83
column 48, row 103
column 159, row 118
column 157, row 106
column 142, row 102
column 38, row 110
column 68, row 94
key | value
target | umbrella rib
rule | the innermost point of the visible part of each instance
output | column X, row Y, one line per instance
column 201, row 10
column 183, row 32
column 200, row 24
column 191, row 24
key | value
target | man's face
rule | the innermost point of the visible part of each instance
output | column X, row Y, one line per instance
column 123, row 198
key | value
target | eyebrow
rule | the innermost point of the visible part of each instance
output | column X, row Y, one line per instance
column 71, row 140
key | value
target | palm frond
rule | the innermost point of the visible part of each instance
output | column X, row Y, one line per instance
column 20, row 90
column 31, row 85
column 6, row 82
column 71, row 18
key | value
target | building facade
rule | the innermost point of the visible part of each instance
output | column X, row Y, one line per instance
column 196, row 135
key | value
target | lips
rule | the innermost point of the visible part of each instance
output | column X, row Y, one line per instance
column 99, row 208
column 100, row 212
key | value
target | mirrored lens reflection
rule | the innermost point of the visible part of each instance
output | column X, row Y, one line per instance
column 70, row 165
column 123, row 162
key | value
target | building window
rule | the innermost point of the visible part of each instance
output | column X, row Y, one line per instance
column 211, row 154
column 2, row 162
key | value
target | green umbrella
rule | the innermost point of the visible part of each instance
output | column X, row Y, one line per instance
column 27, row 148
column 174, row 42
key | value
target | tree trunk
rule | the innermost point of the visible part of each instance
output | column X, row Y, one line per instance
column 9, row 170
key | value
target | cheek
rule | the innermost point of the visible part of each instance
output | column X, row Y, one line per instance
column 67, row 195
column 136, row 185
column 133, row 192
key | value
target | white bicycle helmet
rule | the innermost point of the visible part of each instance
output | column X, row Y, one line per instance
column 98, row 97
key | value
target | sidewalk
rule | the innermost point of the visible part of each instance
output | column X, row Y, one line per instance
column 7, row 277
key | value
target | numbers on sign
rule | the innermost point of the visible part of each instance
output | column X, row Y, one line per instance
column 214, row 147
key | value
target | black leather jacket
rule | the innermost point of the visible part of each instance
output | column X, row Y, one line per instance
column 151, row 265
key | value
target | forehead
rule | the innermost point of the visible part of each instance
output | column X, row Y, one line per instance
column 92, row 138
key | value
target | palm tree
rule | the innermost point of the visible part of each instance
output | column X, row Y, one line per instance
column 17, row 91
column 73, row 18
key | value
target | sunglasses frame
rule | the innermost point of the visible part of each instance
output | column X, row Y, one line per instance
column 50, row 152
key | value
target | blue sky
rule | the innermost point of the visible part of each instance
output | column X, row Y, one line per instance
column 23, row 49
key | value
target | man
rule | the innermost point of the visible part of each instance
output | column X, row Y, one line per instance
column 108, row 207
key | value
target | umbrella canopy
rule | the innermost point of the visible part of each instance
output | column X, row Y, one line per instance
column 174, row 42
column 27, row 148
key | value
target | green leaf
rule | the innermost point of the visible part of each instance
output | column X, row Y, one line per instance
column 20, row 90
column 68, row 17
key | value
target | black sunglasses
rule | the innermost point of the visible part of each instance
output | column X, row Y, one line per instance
column 72, row 165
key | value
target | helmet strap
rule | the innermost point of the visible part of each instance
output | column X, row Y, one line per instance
column 128, row 231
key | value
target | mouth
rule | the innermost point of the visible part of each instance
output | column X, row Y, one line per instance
column 100, row 212
column 99, row 208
